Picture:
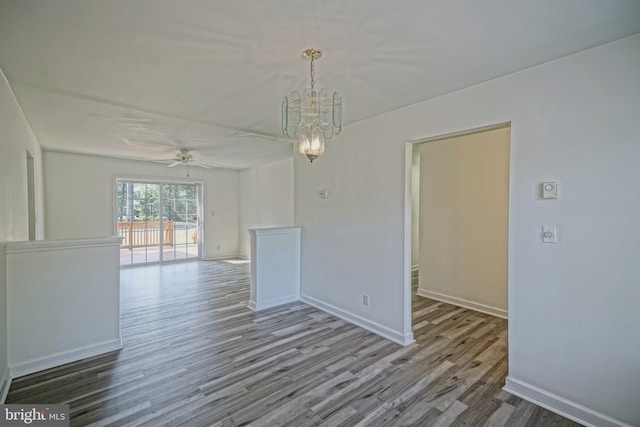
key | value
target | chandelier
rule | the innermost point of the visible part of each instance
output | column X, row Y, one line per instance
column 312, row 116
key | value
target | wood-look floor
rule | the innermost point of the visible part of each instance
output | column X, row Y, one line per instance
column 195, row 355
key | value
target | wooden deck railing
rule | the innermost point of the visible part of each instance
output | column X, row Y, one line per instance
column 144, row 233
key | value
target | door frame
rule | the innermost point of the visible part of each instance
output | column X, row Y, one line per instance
column 31, row 196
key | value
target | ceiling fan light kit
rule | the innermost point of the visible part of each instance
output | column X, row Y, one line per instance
column 183, row 157
column 312, row 116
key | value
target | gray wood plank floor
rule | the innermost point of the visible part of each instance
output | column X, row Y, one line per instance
column 196, row 356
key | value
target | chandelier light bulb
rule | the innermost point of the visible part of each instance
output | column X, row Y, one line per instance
column 311, row 141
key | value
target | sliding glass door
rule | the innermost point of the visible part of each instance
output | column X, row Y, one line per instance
column 158, row 221
column 181, row 221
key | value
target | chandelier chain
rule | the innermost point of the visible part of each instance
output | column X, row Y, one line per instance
column 312, row 75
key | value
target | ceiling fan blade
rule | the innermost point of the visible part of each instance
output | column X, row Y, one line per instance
column 185, row 158
column 203, row 164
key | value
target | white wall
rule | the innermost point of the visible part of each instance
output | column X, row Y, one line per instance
column 16, row 137
column 80, row 197
column 266, row 199
column 352, row 242
column 65, row 302
column 275, row 267
column 573, row 305
column 464, row 220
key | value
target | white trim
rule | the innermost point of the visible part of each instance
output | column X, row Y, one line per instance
column 376, row 328
column 560, row 405
column 35, row 365
column 147, row 178
column 407, row 276
column 494, row 126
column 482, row 308
column 5, row 384
column 272, row 303
column 55, row 245
column 275, row 230
column 223, row 257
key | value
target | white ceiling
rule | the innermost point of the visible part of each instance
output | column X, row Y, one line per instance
column 141, row 78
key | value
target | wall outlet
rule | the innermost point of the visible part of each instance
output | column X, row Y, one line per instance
column 218, row 247
column 549, row 190
column 365, row 300
column 549, row 234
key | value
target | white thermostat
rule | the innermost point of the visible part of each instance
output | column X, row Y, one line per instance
column 549, row 190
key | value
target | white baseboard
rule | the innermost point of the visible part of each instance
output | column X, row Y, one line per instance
column 560, row 405
column 482, row 308
column 263, row 305
column 376, row 328
column 5, row 384
column 35, row 365
column 222, row 256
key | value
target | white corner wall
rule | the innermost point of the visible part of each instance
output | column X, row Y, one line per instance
column 352, row 241
column 464, row 220
column 573, row 306
column 275, row 267
column 16, row 137
column 65, row 301
column 266, row 200
column 80, row 197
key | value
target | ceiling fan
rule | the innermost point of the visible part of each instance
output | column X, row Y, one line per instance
column 185, row 158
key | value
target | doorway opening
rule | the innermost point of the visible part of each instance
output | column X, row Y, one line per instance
column 31, row 196
column 158, row 221
column 456, row 229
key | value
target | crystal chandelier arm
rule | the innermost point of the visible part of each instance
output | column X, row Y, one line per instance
column 291, row 111
column 285, row 117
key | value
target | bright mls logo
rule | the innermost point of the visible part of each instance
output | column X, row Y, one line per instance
column 34, row 415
